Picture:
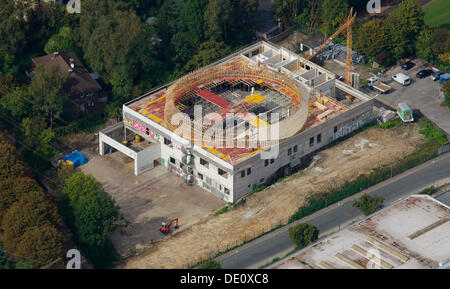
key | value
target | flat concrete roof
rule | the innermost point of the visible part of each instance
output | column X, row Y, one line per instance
column 412, row 233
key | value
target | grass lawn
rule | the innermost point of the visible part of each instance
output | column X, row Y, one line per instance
column 437, row 13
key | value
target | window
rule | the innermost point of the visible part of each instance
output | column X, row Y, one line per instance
column 319, row 138
column 147, row 131
column 295, row 148
column 272, row 161
column 335, row 129
column 266, row 162
column 249, row 171
column 221, row 172
column 181, row 165
column 167, row 141
column 311, row 141
column 261, row 180
column 204, row 163
column 227, row 191
column 289, row 151
column 243, row 174
column 172, row 160
column 220, row 187
column 200, row 176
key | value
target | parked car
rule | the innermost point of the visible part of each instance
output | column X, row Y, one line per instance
column 401, row 78
column 436, row 75
column 424, row 73
column 408, row 65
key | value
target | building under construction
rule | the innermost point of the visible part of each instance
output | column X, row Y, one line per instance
column 233, row 102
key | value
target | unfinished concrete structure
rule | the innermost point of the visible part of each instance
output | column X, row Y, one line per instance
column 411, row 234
column 314, row 109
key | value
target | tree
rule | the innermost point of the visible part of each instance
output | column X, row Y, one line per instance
column 208, row 52
column 372, row 39
column 110, row 34
column 368, row 204
column 7, row 84
column 217, row 17
column 425, row 43
column 47, row 93
column 15, row 103
column 12, row 189
column 41, row 245
column 89, row 210
column 209, row 264
column 402, row 26
column 334, row 14
column 446, row 88
column 63, row 41
column 11, row 163
column 32, row 209
column 287, row 10
column 303, row 234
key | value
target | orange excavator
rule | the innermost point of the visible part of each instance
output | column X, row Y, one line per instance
column 165, row 228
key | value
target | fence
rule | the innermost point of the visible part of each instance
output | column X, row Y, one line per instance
column 443, row 149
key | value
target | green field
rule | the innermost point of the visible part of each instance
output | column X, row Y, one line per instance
column 437, row 13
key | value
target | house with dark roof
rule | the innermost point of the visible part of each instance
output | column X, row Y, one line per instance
column 81, row 86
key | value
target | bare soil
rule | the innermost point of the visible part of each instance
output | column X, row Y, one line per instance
column 265, row 209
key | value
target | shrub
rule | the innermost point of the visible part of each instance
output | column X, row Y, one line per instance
column 369, row 204
column 221, row 211
column 433, row 134
column 303, row 234
column 209, row 264
column 391, row 123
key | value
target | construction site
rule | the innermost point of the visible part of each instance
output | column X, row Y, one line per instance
column 241, row 122
column 412, row 233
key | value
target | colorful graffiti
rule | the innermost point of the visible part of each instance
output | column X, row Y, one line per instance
column 140, row 127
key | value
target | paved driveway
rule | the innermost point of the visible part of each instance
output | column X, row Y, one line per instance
column 422, row 94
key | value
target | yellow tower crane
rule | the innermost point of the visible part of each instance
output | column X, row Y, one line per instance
column 346, row 26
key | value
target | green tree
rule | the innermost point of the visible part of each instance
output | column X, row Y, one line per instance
column 287, row 10
column 32, row 209
column 89, row 210
column 217, row 17
column 47, row 93
column 208, row 52
column 303, row 234
column 424, row 44
column 209, row 264
column 403, row 26
column 368, row 204
column 15, row 103
column 7, row 84
column 333, row 14
column 446, row 88
column 372, row 39
column 63, row 41
column 41, row 245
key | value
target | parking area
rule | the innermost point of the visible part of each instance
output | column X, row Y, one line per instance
column 422, row 94
column 147, row 200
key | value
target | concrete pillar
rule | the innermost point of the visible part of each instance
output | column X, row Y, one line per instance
column 101, row 148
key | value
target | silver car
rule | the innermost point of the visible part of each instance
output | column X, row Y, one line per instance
column 435, row 76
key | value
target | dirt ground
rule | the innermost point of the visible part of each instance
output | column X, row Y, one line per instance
column 343, row 162
column 147, row 200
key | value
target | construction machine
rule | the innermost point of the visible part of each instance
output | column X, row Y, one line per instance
column 346, row 26
column 165, row 227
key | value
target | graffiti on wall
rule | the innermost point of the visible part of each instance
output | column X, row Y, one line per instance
column 354, row 125
column 140, row 127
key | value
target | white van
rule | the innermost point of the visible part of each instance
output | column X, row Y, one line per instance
column 401, row 78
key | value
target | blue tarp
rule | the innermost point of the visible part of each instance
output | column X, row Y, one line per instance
column 77, row 158
column 444, row 77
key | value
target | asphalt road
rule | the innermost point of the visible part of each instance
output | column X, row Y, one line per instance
column 264, row 249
